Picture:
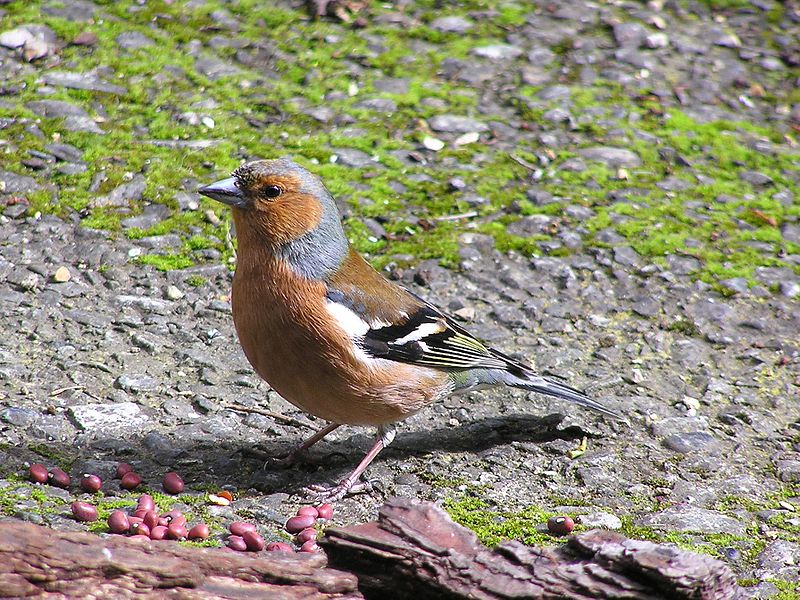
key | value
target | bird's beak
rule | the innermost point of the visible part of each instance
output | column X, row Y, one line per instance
column 224, row 191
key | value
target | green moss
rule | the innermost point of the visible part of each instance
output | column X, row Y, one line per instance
column 166, row 262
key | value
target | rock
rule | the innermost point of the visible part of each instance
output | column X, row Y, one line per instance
column 693, row 519
column 456, row 124
column 452, row 24
column 350, row 157
column 629, row 34
column 117, row 419
column 610, row 156
column 14, row 183
column 599, row 519
column 136, row 382
column 75, row 118
column 82, row 81
column 382, row 105
column 497, row 52
column 150, row 217
column 756, row 178
column 62, row 275
column 133, row 40
column 690, row 441
column 124, row 194
column 65, row 152
column 215, row 68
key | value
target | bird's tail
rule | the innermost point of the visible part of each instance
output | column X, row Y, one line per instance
column 553, row 387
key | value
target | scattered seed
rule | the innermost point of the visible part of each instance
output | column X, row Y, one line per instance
column 159, row 532
column 140, row 529
column 146, row 502
column 38, row 473
column 309, row 533
column 199, row 532
column 255, row 543
column 560, row 525
column 236, row 542
column 298, row 523
column 130, row 481
column 150, row 518
column 91, row 483
column 59, row 478
column 239, row 527
column 325, row 511
column 123, row 468
column 279, row 547
column 172, row 483
column 309, row 546
column 83, row 511
column 308, row 510
column 118, row 522
column 177, row 531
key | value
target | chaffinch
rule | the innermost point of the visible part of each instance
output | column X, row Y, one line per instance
column 329, row 333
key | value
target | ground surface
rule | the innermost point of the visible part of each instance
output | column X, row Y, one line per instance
column 611, row 187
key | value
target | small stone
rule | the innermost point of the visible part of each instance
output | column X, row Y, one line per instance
column 468, row 138
column 173, row 293
column 613, row 157
column 85, row 38
column 452, row 24
column 466, row 313
column 600, row 519
column 690, row 441
column 15, row 38
column 432, row 143
column 62, row 275
column 456, row 124
column 498, row 52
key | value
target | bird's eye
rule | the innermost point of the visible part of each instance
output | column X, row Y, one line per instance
column 273, row 191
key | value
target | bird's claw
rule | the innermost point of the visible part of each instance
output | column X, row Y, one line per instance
column 323, row 492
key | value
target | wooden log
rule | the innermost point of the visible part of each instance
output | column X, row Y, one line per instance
column 416, row 551
column 42, row 563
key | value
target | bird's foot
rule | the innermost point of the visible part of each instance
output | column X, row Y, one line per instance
column 323, row 492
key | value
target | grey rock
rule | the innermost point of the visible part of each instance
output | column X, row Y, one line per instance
column 152, row 305
column 673, row 425
column 124, row 194
column 350, row 157
column 72, row 10
column 788, row 470
column 756, row 178
column 613, row 157
column 136, row 382
column 382, row 105
column 690, row 441
column 778, row 557
column 215, row 68
column 682, row 265
column 392, row 85
column 625, row 255
column 629, row 34
column 52, row 109
column 18, row 417
column 646, row 306
column 110, row 419
column 790, row 289
column 82, row 81
column 456, row 124
column 65, row 152
column 452, row 24
column 151, row 216
column 600, row 519
column 133, row 40
column 498, row 52
column 14, row 183
column 689, row 518
column 736, row 284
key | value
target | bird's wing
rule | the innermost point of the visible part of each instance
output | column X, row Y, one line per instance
column 418, row 334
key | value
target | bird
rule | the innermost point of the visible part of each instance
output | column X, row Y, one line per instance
column 333, row 336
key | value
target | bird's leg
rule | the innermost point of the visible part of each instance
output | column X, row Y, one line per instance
column 326, row 493
column 289, row 458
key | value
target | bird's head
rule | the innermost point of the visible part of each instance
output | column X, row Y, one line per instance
column 279, row 204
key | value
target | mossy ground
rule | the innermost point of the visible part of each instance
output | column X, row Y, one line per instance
column 262, row 114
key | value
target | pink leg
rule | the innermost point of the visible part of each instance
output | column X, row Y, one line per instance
column 295, row 452
column 325, row 493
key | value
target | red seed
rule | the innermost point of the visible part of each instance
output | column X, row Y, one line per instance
column 279, row 547
column 235, row 542
column 59, row 478
column 298, row 523
column 308, row 510
column 255, row 543
column 130, row 481
column 560, row 525
column 123, row 468
column 135, row 520
column 325, row 511
column 139, row 537
column 37, row 473
column 140, row 513
column 91, row 483
column 83, row 511
column 172, row 483
column 308, row 533
column 118, row 522
column 176, row 532
column 146, row 502
column 163, row 522
column 173, row 518
column 140, row 529
column 309, row 546
column 150, row 518
column 199, row 532
column 239, row 527
column 159, row 532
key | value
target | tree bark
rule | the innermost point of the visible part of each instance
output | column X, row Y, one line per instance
column 42, row 563
column 416, row 551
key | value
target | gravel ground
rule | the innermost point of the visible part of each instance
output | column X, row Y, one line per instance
column 106, row 356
